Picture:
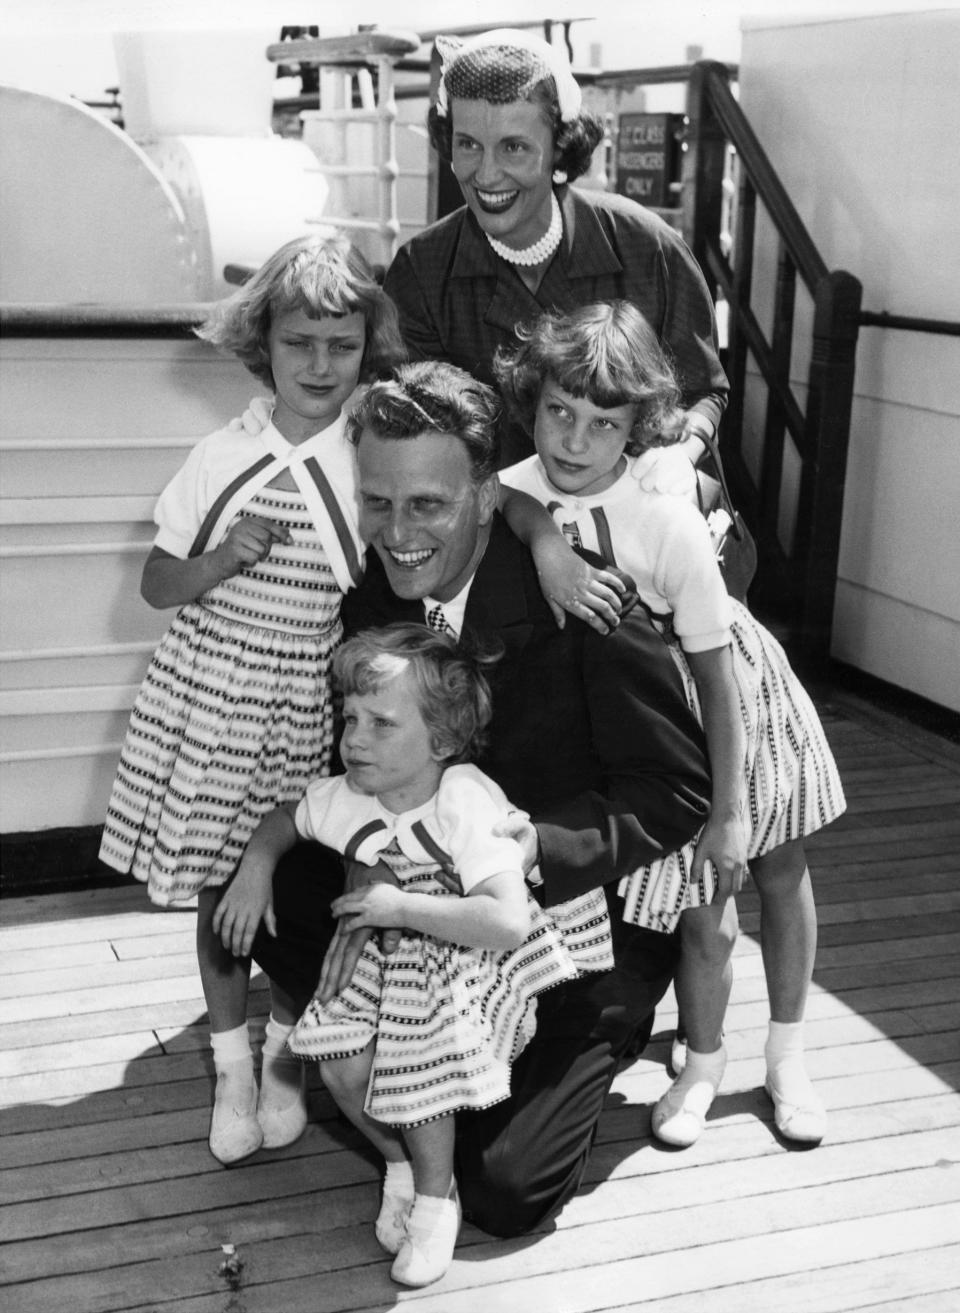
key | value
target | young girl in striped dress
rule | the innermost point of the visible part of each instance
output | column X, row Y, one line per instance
column 597, row 392
column 256, row 545
column 433, row 1028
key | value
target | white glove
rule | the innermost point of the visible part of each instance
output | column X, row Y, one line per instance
column 255, row 418
column 667, row 469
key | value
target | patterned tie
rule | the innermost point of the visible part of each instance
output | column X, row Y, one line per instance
column 437, row 621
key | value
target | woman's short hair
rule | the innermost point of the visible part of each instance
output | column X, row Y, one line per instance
column 431, row 396
column 452, row 693
column 320, row 274
column 503, row 75
column 606, row 351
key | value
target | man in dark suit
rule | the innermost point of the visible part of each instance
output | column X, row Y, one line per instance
column 591, row 736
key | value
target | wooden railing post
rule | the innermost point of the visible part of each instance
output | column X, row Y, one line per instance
column 820, row 502
column 703, row 167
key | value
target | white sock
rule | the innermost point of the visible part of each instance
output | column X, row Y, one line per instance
column 231, row 1047
column 282, row 1071
column 398, row 1180
column 233, row 1062
column 784, row 1055
column 428, row 1209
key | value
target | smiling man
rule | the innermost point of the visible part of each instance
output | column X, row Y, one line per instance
column 591, row 736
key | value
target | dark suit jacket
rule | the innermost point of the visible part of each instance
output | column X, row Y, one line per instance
column 459, row 301
column 590, row 734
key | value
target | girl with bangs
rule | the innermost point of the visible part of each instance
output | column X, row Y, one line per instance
column 599, row 397
column 257, row 543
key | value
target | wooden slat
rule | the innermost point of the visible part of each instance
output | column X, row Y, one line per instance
column 110, row 1201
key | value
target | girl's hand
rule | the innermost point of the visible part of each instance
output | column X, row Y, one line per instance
column 569, row 583
column 377, row 906
column 248, row 901
column 255, row 418
column 347, row 944
column 724, row 843
column 248, row 542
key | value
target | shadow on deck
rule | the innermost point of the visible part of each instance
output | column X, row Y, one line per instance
column 109, row 1199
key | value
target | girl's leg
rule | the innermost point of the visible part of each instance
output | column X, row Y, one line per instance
column 788, row 944
column 703, row 982
column 282, row 1109
column 347, row 1080
column 434, row 1220
column 234, row 1130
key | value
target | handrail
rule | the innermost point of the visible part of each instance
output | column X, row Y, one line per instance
column 883, row 319
column 661, row 75
column 798, row 579
column 69, row 319
column 783, row 213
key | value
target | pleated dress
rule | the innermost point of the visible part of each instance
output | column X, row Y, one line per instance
column 791, row 782
column 447, row 1020
column 234, row 715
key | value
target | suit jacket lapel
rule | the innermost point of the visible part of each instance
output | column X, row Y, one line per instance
column 498, row 602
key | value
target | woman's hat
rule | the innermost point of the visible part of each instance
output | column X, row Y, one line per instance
column 525, row 60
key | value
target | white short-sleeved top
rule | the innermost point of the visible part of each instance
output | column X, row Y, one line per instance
column 660, row 539
column 458, row 819
column 221, row 457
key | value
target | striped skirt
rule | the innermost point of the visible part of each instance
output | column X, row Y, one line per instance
column 792, row 785
column 447, row 1021
column 233, row 718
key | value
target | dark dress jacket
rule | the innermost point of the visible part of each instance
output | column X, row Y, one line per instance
column 591, row 735
column 459, row 301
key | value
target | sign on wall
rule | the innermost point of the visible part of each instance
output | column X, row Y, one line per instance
column 647, row 158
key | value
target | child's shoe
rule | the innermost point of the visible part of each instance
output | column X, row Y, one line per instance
column 235, row 1132
column 679, row 1116
column 427, row 1251
column 395, row 1206
column 798, row 1110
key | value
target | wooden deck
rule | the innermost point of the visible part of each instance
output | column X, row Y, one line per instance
column 111, row 1201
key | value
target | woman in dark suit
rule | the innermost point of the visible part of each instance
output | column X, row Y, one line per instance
column 509, row 120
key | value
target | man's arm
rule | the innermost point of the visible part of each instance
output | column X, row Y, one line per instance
column 653, row 757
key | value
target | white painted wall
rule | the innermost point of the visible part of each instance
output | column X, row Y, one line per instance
column 858, row 116
column 90, row 431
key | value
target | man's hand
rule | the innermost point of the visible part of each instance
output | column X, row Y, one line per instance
column 724, row 843
column 347, row 944
column 247, row 901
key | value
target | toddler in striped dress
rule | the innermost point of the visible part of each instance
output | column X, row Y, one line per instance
column 600, row 398
column 431, row 1029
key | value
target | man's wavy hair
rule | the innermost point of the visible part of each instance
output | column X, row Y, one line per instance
column 430, row 396
column 503, row 75
column 605, row 351
column 452, row 693
column 322, row 275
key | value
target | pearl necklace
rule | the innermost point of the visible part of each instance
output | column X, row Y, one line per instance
column 540, row 250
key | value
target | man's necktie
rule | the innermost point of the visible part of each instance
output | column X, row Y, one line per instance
column 437, row 621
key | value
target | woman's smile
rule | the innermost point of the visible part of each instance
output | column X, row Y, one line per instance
column 503, row 157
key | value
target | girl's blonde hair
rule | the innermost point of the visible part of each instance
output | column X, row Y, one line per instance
column 453, row 695
column 605, row 351
column 320, row 275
